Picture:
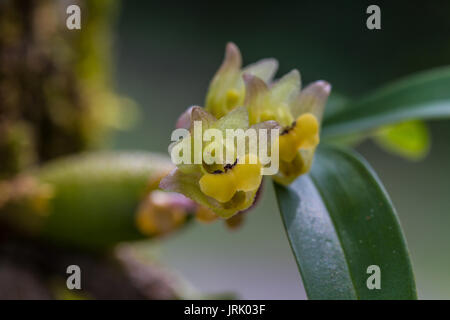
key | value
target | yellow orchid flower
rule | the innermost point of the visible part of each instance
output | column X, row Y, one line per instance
column 227, row 90
column 225, row 188
column 298, row 112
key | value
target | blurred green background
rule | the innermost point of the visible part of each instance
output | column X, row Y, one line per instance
column 166, row 54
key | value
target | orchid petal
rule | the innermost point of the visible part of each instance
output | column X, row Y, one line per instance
column 312, row 99
column 233, row 58
column 235, row 119
column 223, row 93
column 187, row 184
column 200, row 114
column 261, row 104
column 264, row 69
column 289, row 171
column 288, row 87
column 184, row 120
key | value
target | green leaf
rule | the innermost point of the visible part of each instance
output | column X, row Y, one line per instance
column 421, row 96
column 335, row 104
column 339, row 221
column 409, row 139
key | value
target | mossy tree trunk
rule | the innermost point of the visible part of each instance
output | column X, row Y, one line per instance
column 56, row 99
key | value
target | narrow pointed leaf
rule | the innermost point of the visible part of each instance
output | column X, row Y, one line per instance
column 339, row 221
column 422, row 96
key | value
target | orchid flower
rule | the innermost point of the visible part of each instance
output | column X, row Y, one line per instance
column 299, row 113
column 226, row 188
column 227, row 90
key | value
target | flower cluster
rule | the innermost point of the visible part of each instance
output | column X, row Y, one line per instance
column 239, row 98
column 226, row 188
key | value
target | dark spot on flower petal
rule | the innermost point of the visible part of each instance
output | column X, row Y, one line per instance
column 287, row 129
